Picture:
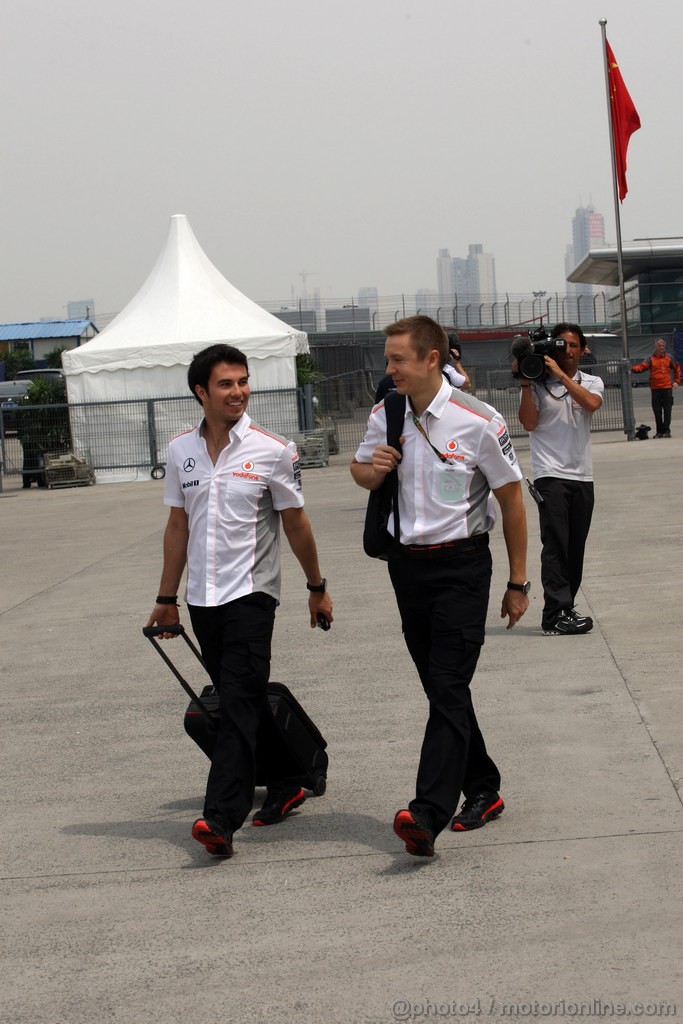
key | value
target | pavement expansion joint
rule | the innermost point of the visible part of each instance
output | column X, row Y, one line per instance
column 249, row 862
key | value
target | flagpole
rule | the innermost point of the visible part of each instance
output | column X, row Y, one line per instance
column 615, row 184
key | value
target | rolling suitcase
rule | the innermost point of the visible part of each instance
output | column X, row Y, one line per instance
column 304, row 747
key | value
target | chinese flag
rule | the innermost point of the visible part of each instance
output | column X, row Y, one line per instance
column 625, row 120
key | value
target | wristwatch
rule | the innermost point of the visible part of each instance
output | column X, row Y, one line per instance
column 523, row 588
column 320, row 588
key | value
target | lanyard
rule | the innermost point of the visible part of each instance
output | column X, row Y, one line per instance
column 426, row 437
column 559, row 398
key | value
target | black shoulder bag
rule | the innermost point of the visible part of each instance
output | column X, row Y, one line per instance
column 377, row 541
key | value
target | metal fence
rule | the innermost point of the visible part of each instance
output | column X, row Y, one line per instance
column 344, row 402
column 121, row 437
column 650, row 306
column 115, row 438
column 501, row 390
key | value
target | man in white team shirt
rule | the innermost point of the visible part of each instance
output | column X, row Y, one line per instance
column 557, row 412
column 456, row 450
column 230, row 483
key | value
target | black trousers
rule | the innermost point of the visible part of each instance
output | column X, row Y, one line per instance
column 443, row 603
column 662, row 404
column 565, row 517
column 235, row 641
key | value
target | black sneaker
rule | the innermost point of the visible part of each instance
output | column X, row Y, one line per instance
column 568, row 623
column 667, row 433
column 279, row 802
column 418, row 838
column 476, row 811
column 214, row 838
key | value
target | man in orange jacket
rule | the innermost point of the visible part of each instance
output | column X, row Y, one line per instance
column 662, row 368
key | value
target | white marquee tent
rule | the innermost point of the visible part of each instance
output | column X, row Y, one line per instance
column 184, row 305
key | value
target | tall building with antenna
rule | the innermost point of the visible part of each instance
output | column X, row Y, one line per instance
column 588, row 232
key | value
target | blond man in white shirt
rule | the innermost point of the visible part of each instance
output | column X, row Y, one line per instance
column 456, row 452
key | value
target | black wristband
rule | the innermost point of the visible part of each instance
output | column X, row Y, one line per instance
column 523, row 588
column 318, row 588
column 167, row 600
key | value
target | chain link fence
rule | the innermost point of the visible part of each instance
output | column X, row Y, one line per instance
column 344, row 402
column 129, row 439
column 119, row 440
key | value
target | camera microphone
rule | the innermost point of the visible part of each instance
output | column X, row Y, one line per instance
column 521, row 346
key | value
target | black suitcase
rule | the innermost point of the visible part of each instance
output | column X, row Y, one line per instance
column 303, row 743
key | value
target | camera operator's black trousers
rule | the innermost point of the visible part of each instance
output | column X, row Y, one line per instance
column 662, row 404
column 235, row 641
column 565, row 516
column 443, row 602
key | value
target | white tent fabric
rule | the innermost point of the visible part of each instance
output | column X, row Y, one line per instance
column 184, row 305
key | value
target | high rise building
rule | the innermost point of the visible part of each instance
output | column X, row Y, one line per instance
column 461, row 279
column 369, row 298
column 588, row 232
column 467, row 281
column 482, row 274
column 427, row 303
column 83, row 309
column 445, row 280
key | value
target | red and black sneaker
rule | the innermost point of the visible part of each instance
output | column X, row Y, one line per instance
column 476, row 811
column 216, row 840
column 418, row 838
column 280, row 801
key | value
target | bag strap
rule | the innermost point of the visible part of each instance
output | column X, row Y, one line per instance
column 395, row 409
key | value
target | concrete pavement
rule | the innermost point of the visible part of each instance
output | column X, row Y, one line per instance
column 113, row 913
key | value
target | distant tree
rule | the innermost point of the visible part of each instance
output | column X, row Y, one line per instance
column 18, row 359
column 307, row 371
column 53, row 358
column 46, row 391
column 41, row 428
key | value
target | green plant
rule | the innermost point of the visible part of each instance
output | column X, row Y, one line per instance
column 18, row 359
column 53, row 358
column 307, row 371
column 46, row 391
column 39, row 427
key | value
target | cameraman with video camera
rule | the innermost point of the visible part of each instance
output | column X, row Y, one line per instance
column 557, row 403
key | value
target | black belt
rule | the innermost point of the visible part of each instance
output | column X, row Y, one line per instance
column 467, row 545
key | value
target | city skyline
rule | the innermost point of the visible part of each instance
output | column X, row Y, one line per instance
column 470, row 279
column 275, row 131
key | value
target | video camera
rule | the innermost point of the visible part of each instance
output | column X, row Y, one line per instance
column 530, row 353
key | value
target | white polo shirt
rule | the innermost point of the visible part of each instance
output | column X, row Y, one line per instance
column 234, row 542
column 561, row 443
column 442, row 501
column 454, row 376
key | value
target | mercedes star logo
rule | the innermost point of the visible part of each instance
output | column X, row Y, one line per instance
column 188, row 465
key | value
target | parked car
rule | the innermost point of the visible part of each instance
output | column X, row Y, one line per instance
column 40, row 373
column 612, row 375
column 11, row 393
column 13, row 390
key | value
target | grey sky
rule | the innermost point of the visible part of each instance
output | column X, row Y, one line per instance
column 347, row 139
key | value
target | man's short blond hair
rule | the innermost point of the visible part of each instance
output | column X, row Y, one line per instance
column 425, row 336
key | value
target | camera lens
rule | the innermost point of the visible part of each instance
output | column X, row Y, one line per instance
column 532, row 367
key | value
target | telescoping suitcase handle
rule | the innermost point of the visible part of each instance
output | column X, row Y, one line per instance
column 152, row 632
